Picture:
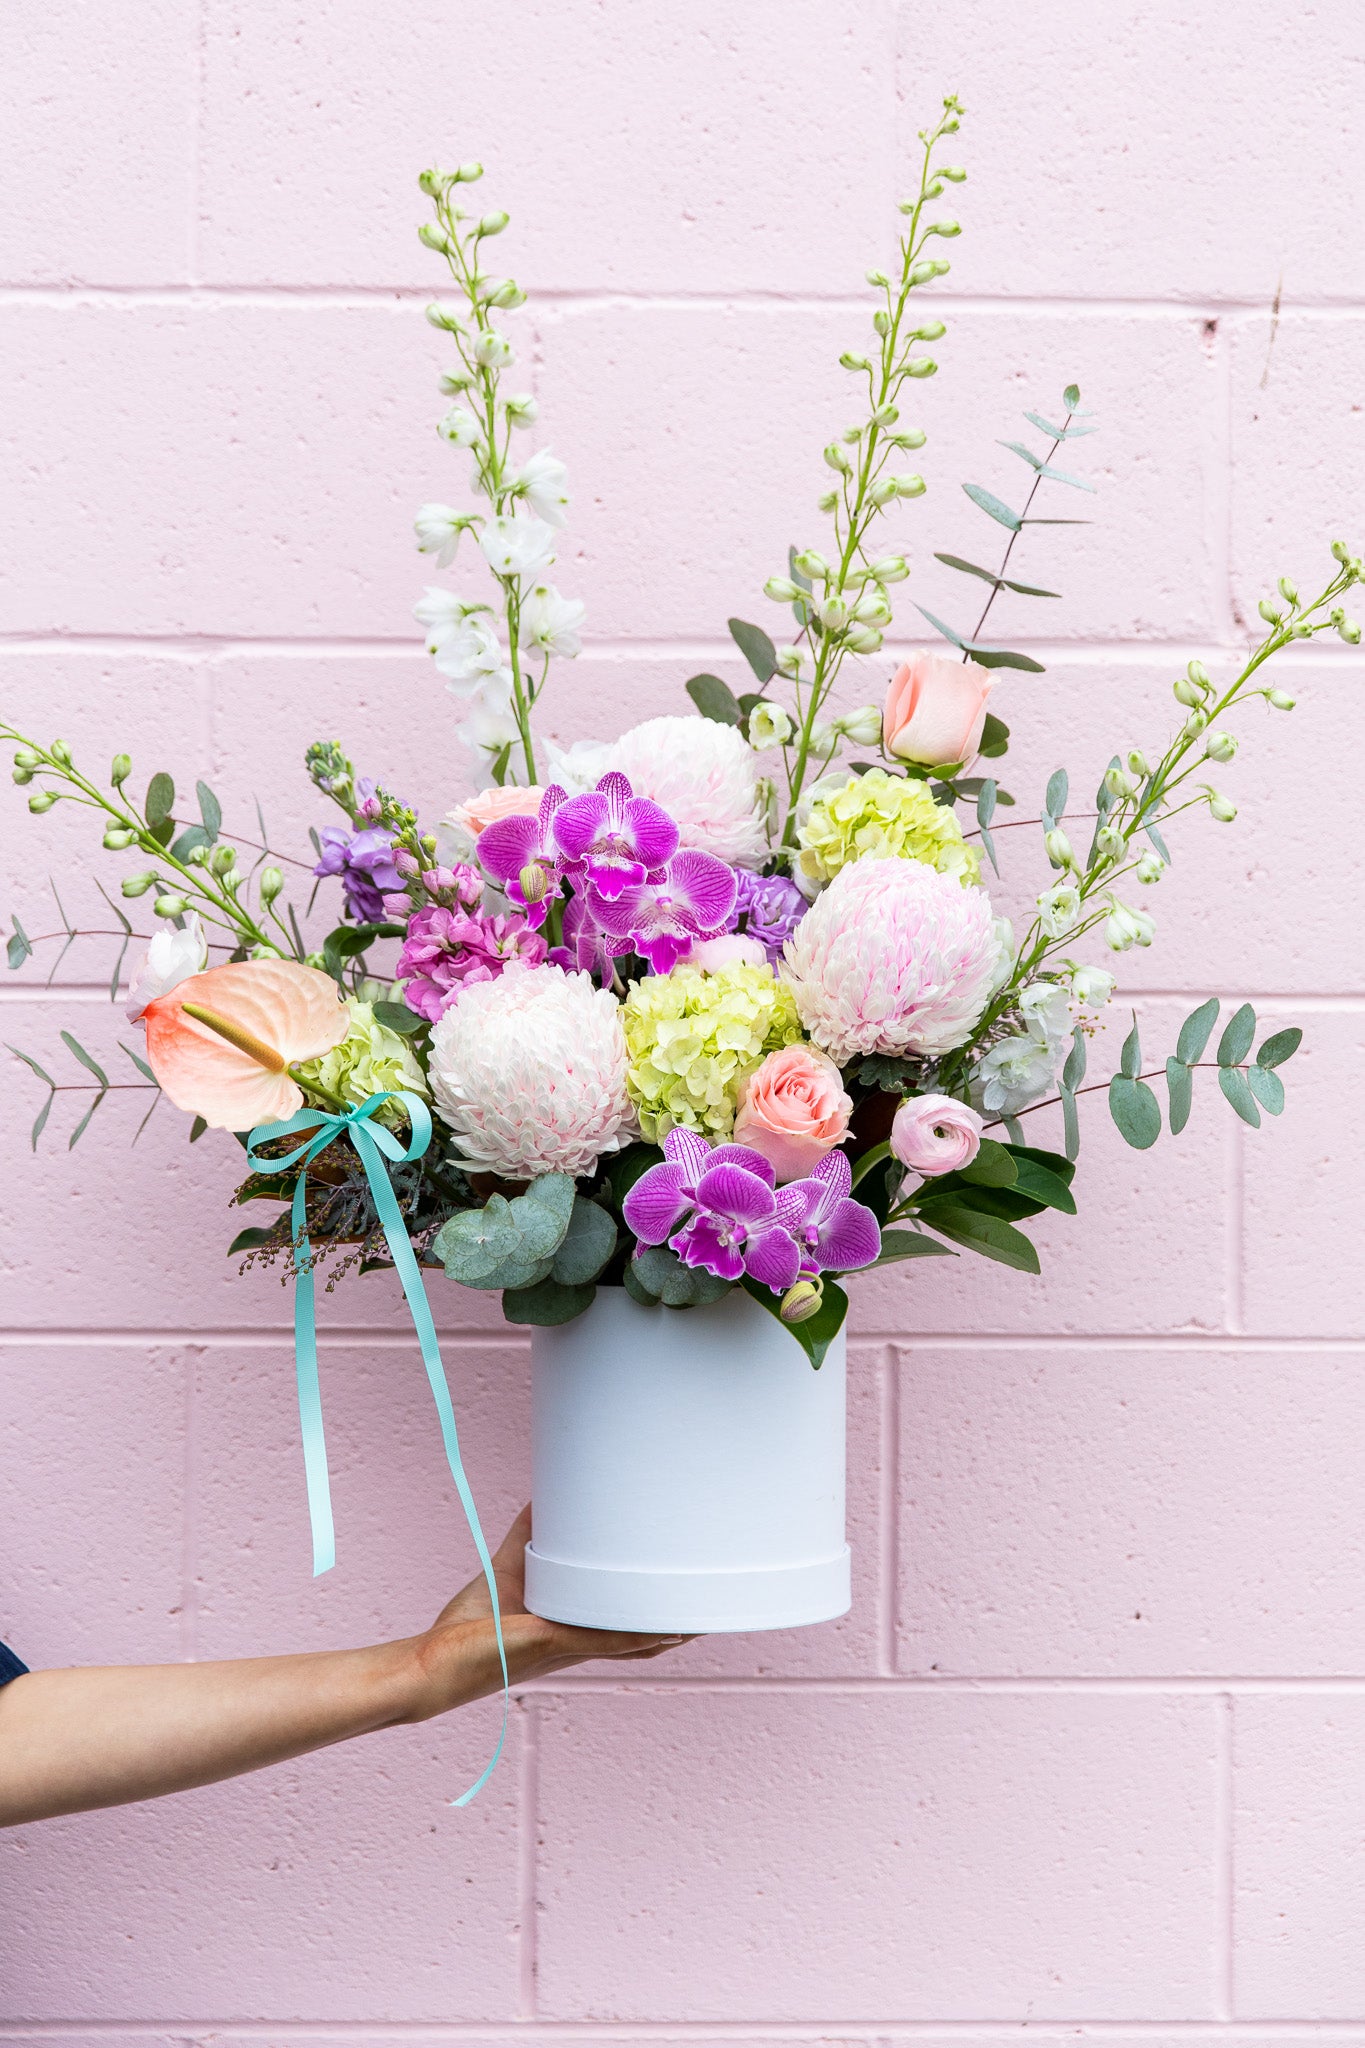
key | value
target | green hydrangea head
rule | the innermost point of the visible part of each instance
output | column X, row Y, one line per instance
column 691, row 1039
column 369, row 1058
column 881, row 817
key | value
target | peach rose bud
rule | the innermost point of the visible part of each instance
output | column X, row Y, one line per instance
column 935, row 710
column 514, row 800
column 793, row 1110
column 934, row 1134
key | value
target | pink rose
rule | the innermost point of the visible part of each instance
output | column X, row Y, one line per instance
column 731, row 949
column 933, row 1134
column 793, row 1110
column 935, row 710
column 510, row 802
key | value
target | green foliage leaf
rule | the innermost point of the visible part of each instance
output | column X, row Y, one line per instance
column 635, row 1287
column 18, row 948
column 197, row 1129
column 1235, row 1086
column 1057, row 433
column 816, row 1335
column 138, row 1062
column 164, row 833
column 989, row 576
column 1058, row 789
column 1135, row 1110
column 80, row 1128
column 1235, row 1043
column 991, row 1236
column 547, row 1303
column 664, row 1276
column 1130, row 1060
column 1045, row 469
column 588, row 1243
column 1073, row 1073
column 39, row 1121
column 988, row 657
column 192, row 836
column 92, row 1066
column 798, row 576
column 478, row 1245
column 249, row 1240
column 993, row 1167
column 1280, row 1047
column 210, row 810
column 993, row 507
column 714, row 699
column 888, row 1072
column 160, row 800
column 29, row 1061
column 1266, row 1085
column 1071, row 1127
column 1044, row 1184
column 1194, row 1032
column 985, row 811
column 1158, row 842
column 1051, row 1162
column 398, row 1017
column 909, row 1244
column 757, row 649
column 1179, row 1090
column 995, row 738
column 626, row 1167
column 1071, row 397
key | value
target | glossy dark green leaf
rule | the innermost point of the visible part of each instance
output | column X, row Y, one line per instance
column 1073, row 1073
column 1051, row 1162
column 1281, row 1046
column 1194, row 1032
column 993, row 507
column 1058, row 789
column 757, row 649
column 249, row 1240
column 210, row 810
column 19, row 947
column 816, row 1335
column 1235, row 1086
column 92, row 1066
column 1043, row 1186
column 910, row 1244
column 398, row 1017
column 1178, row 1090
column 991, row 1236
column 547, row 1304
column 993, row 1166
column 714, row 699
column 995, row 738
column 1235, row 1043
column 160, row 799
column 1266, row 1085
column 989, row 576
column 1136, row 1111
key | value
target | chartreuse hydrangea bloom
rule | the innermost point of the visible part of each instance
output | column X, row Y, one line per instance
column 369, row 1058
column 692, row 1037
column 880, row 817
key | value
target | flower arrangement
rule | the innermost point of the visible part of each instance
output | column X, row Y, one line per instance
column 723, row 1002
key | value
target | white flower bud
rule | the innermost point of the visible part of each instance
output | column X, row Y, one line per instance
column 1197, row 673
column 435, row 237
column 836, row 458
column 1150, row 868
column 1187, row 693
column 453, row 382
column 459, row 426
column 812, row 564
column 41, row 799
column 910, row 486
column 1059, row 850
column 1220, row 808
column 445, row 316
column 1138, row 764
column 883, row 491
column 1110, row 843
column 769, row 726
column 789, row 661
column 886, row 416
column 911, row 438
column 1280, row 700
column 1268, row 612
column 921, row 366
column 116, row 839
column 137, row 885
column 781, row 589
column 1195, row 724
column 832, row 613
column 1288, row 591
column 827, row 501
column 1340, row 552
column 823, row 738
column 1220, row 746
column 492, row 223
column 1350, row 632
column 271, row 883
column 891, row 569
column 872, row 607
column 468, row 174
column 864, row 639
column 521, row 411
column 493, row 350
column 170, row 906
column 881, row 321
column 863, row 727
column 223, row 859
column 878, row 278
column 923, row 273
column 850, row 361
column 1118, row 783
column 507, row 293
column 1092, row 986
column 1125, row 927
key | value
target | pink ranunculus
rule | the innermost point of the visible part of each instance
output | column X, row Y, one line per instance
column 513, row 801
column 933, row 1134
column 935, row 710
column 793, row 1110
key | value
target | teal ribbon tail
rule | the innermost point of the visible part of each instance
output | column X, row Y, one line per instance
column 373, row 1143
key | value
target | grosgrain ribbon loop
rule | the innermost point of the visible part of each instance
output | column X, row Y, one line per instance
column 374, row 1143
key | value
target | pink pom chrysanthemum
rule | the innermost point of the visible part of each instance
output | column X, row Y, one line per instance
column 705, row 775
column 529, row 1071
column 892, row 958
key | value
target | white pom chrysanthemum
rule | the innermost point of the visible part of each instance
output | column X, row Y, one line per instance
column 706, row 777
column 529, row 1071
column 892, row 958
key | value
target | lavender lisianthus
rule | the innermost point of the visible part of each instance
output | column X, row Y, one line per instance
column 364, row 861
column 447, row 949
column 768, row 908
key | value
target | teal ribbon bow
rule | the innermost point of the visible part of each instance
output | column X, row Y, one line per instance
column 374, row 1143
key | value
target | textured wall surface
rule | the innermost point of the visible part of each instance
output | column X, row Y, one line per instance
column 1090, row 1748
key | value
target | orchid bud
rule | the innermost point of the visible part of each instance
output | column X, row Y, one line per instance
column 533, row 882
column 1220, row 808
column 138, row 885
column 1150, row 868
column 1220, row 746
column 1118, row 783
column 1138, row 764
column 170, row 906
column 120, row 769
column 781, row 589
column 801, row 1301
column 117, row 838
column 1280, row 700
column 41, row 800
column 1059, row 850
column 271, row 883
column 835, row 458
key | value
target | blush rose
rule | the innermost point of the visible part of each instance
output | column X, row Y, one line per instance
column 935, row 710
column 793, row 1110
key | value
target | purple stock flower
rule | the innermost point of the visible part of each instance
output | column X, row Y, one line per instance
column 618, row 838
column 364, row 861
column 769, row 908
column 735, row 1224
column 835, row 1234
column 445, row 950
column 509, row 846
column 659, row 918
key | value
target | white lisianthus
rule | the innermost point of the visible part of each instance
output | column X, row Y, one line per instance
column 551, row 622
column 458, row 426
column 172, row 957
column 769, row 726
column 580, row 767
column 438, row 529
column 542, row 481
column 1091, row 987
column 863, row 727
column 1046, row 1010
column 1125, row 927
column 471, row 660
column 1059, row 909
column 518, row 547
column 1015, row 1072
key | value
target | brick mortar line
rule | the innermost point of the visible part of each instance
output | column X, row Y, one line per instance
column 872, row 2033
column 985, row 1685
column 211, row 647
column 379, row 1337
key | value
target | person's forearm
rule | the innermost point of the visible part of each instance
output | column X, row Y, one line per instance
column 76, row 1739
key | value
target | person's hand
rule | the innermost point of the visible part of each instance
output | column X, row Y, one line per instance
column 459, row 1652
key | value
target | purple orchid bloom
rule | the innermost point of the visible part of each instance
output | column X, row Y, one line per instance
column 661, row 917
column 735, row 1226
column 509, row 846
column 767, row 908
column 364, row 861
column 618, row 838
column 835, row 1234
column 445, row 950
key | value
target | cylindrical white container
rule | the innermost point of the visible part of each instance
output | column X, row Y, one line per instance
column 688, row 1471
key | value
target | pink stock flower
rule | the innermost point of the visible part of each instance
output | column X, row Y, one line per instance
column 617, row 838
column 793, row 1110
column 935, row 710
column 445, row 950
column 934, row 1134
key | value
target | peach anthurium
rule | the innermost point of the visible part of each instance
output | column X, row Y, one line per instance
column 221, row 1044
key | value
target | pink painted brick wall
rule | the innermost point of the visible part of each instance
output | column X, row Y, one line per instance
column 1090, row 1749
